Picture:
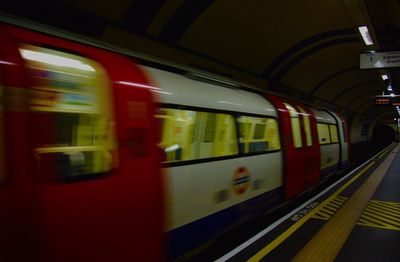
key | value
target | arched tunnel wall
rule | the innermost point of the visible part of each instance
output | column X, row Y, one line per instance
column 383, row 134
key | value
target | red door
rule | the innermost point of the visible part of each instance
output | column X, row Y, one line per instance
column 311, row 145
column 292, row 141
column 115, row 217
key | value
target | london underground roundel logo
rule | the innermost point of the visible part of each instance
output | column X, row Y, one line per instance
column 241, row 180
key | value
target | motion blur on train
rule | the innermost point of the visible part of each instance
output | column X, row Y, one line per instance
column 105, row 159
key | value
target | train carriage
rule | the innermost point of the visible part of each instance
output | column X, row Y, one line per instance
column 83, row 178
column 102, row 157
column 224, row 159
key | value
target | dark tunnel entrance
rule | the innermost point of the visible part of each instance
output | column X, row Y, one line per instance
column 383, row 135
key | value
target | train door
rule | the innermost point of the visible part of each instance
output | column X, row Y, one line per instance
column 3, row 197
column 97, row 179
column 17, row 219
column 311, row 148
column 298, row 160
column 2, row 146
column 292, row 141
column 342, row 136
column 345, row 142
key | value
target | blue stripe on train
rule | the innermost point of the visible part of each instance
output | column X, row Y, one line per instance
column 188, row 237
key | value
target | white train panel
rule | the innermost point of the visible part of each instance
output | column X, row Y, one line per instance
column 210, row 187
column 329, row 155
column 180, row 90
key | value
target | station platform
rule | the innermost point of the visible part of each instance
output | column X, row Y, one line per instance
column 355, row 219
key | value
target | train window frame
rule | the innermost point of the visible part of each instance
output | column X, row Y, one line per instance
column 264, row 138
column 98, row 158
column 235, row 114
column 178, row 147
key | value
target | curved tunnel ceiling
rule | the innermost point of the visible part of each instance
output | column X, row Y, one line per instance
column 308, row 49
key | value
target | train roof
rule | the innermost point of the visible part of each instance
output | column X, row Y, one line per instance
column 323, row 116
column 181, row 90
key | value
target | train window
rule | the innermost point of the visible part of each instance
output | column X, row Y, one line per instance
column 295, row 122
column 307, row 126
column 224, row 141
column 210, row 128
column 72, row 111
column 191, row 135
column 323, row 134
column 334, row 133
column 258, row 134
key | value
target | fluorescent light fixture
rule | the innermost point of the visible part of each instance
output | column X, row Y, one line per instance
column 390, row 88
column 385, row 77
column 55, row 60
column 365, row 35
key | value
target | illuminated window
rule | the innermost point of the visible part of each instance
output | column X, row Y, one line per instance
column 334, row 133
column 307, row 126
column 72, row 113
column 210, row 128
column 258, row 134
column 323, row 133
column 295, row 122
column 191, row 135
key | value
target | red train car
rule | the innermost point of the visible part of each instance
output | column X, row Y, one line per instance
column 103, row 159
column 82, row 179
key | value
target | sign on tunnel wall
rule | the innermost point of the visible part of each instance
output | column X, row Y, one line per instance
column 387, row 100
column 380, row 60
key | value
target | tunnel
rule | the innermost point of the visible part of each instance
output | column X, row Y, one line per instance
column 383, row 135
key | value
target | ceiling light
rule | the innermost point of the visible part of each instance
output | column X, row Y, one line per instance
column 389, row 88
column 385, row 77
column 365, row 35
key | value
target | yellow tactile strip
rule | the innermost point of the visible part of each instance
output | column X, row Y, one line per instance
column 380, row 214
column 327, row 211
column 272, row 245
column 326, row 244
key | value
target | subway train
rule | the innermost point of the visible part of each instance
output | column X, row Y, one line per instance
column 107, row 159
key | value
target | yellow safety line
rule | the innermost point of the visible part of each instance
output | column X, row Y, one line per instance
column 395, row 204
column 383, row 210
column 387, row 205
column 372, row 221
column 326, row 244
column 380, row 218
column 263, row 252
